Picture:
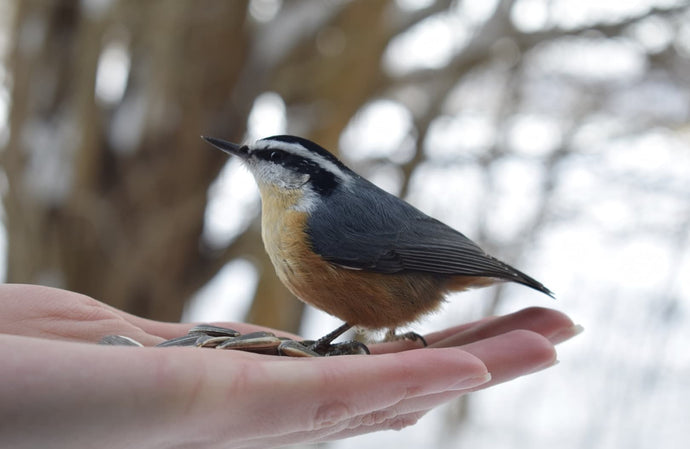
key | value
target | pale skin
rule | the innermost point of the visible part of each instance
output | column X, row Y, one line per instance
column 59, row 389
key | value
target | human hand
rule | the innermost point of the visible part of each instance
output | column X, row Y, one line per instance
column 60, row 392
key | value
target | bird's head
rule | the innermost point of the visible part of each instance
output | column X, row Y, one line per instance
column 288, row 165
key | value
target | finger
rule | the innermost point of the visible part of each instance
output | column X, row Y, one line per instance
column 549, row 323
column 56, row 314
column 398, row 416
column 508, row 356
column 325, row 395
column 437, row 336
column 397, row 422
column 405, row 344
column 513, row 354
column 393, row 423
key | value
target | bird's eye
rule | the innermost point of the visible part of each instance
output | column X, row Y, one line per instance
column 276, row 156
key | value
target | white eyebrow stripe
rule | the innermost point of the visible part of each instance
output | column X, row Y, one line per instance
column 299, row 150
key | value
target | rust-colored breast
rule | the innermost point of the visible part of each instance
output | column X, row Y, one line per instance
column 359, row 297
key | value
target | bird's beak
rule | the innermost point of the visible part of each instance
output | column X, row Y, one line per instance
column 231, row 148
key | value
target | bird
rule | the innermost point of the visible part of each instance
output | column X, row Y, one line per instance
column 345, row 246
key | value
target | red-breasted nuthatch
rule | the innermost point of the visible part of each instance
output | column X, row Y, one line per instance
column 347, row 247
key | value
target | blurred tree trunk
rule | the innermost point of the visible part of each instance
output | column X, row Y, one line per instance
column 120, row 221
column 109, row 199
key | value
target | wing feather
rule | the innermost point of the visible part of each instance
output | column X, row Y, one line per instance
column 373, row 230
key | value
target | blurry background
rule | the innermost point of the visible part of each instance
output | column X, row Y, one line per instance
column 555, row 133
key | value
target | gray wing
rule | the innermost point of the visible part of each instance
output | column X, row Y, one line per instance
column 375, row 231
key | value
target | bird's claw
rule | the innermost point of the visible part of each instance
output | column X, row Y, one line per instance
column 409, row 336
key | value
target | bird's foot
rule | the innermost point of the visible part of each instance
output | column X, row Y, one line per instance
column 409, row 336
column 323, row 348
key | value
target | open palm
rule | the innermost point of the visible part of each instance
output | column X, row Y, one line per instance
column 62, row 390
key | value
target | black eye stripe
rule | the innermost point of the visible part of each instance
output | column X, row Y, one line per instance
column 309, row 145
column 286, row 159
column 321, row 179
column 270, row 155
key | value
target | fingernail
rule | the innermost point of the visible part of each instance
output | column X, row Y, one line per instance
column 471, row 382
column 548, row 365
column 566, row 334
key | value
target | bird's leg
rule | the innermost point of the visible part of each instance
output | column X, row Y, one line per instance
column 411, row 336
column 325, row 346
column 324, row 343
